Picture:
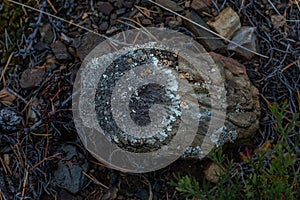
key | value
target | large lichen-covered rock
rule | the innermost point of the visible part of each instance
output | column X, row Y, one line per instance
column 243, row 109
column 242, row 100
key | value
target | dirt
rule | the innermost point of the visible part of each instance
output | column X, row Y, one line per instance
column 35, row 117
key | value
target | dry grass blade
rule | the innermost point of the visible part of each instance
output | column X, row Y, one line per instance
column 95, row 180
column 2, row 197
column 208, row 30
column 141, row 27
column 5, row 68
column 144, row 11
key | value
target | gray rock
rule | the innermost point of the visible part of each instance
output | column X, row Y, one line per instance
column 201, row 5
column 208, row 40
column 32, row 78
column 121, row 11
column 106, row 8
column 278, row 21
column 69, row 173
column 245, row 37
column 60, row 50
column 170, row 4
column 103, row 26
column 9, row 120
column 46, row 33
column 88, row 42
column 226, row 23
column 243, row 111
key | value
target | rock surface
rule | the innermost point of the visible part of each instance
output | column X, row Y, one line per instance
column 226, row 23
column 106, row 8
column 170, row 4
column 278, row 21
column 208, row 40
column 243, row 106
column 243, row 110
column 88, row 42
column 69, row 173
column 242, row 98
column 60, row 51
column 201, row 5
column 32, row 78
column 245, row 37
column 212, row 172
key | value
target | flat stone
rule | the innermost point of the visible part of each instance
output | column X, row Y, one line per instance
column 128, row 4
column 88, row 42
column 103, row 26
column 212, row 172
column 32, row 78
column 106, row 8
column 121, row 11
column 170, row 4
column 201, row 5
column 226, row 23
column 69, row 172
column 204, row 36
column 60, row 50
column 146, row 22
column 245, row 37
column 278, row 21
column 46, row 33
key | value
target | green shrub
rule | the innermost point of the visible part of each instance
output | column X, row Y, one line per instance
column 271, row 173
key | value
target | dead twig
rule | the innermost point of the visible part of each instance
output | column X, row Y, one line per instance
column 95, row 180
column 51, row 5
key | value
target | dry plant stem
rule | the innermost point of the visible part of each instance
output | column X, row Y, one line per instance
column 53, row 8
column 95, row 180
column 208, row 30
column 5, row 68
column 142, row 28
column 24, row 185
column 289, row 65
column 142, row 10
column 2, row 197
column 298, row 95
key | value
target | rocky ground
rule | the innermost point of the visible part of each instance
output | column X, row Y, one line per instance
column 41, row 154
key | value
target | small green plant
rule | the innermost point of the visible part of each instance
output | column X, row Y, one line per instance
column 271, row 173
column 187, row 185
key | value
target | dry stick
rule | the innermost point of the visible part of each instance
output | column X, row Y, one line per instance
column 208, row 30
